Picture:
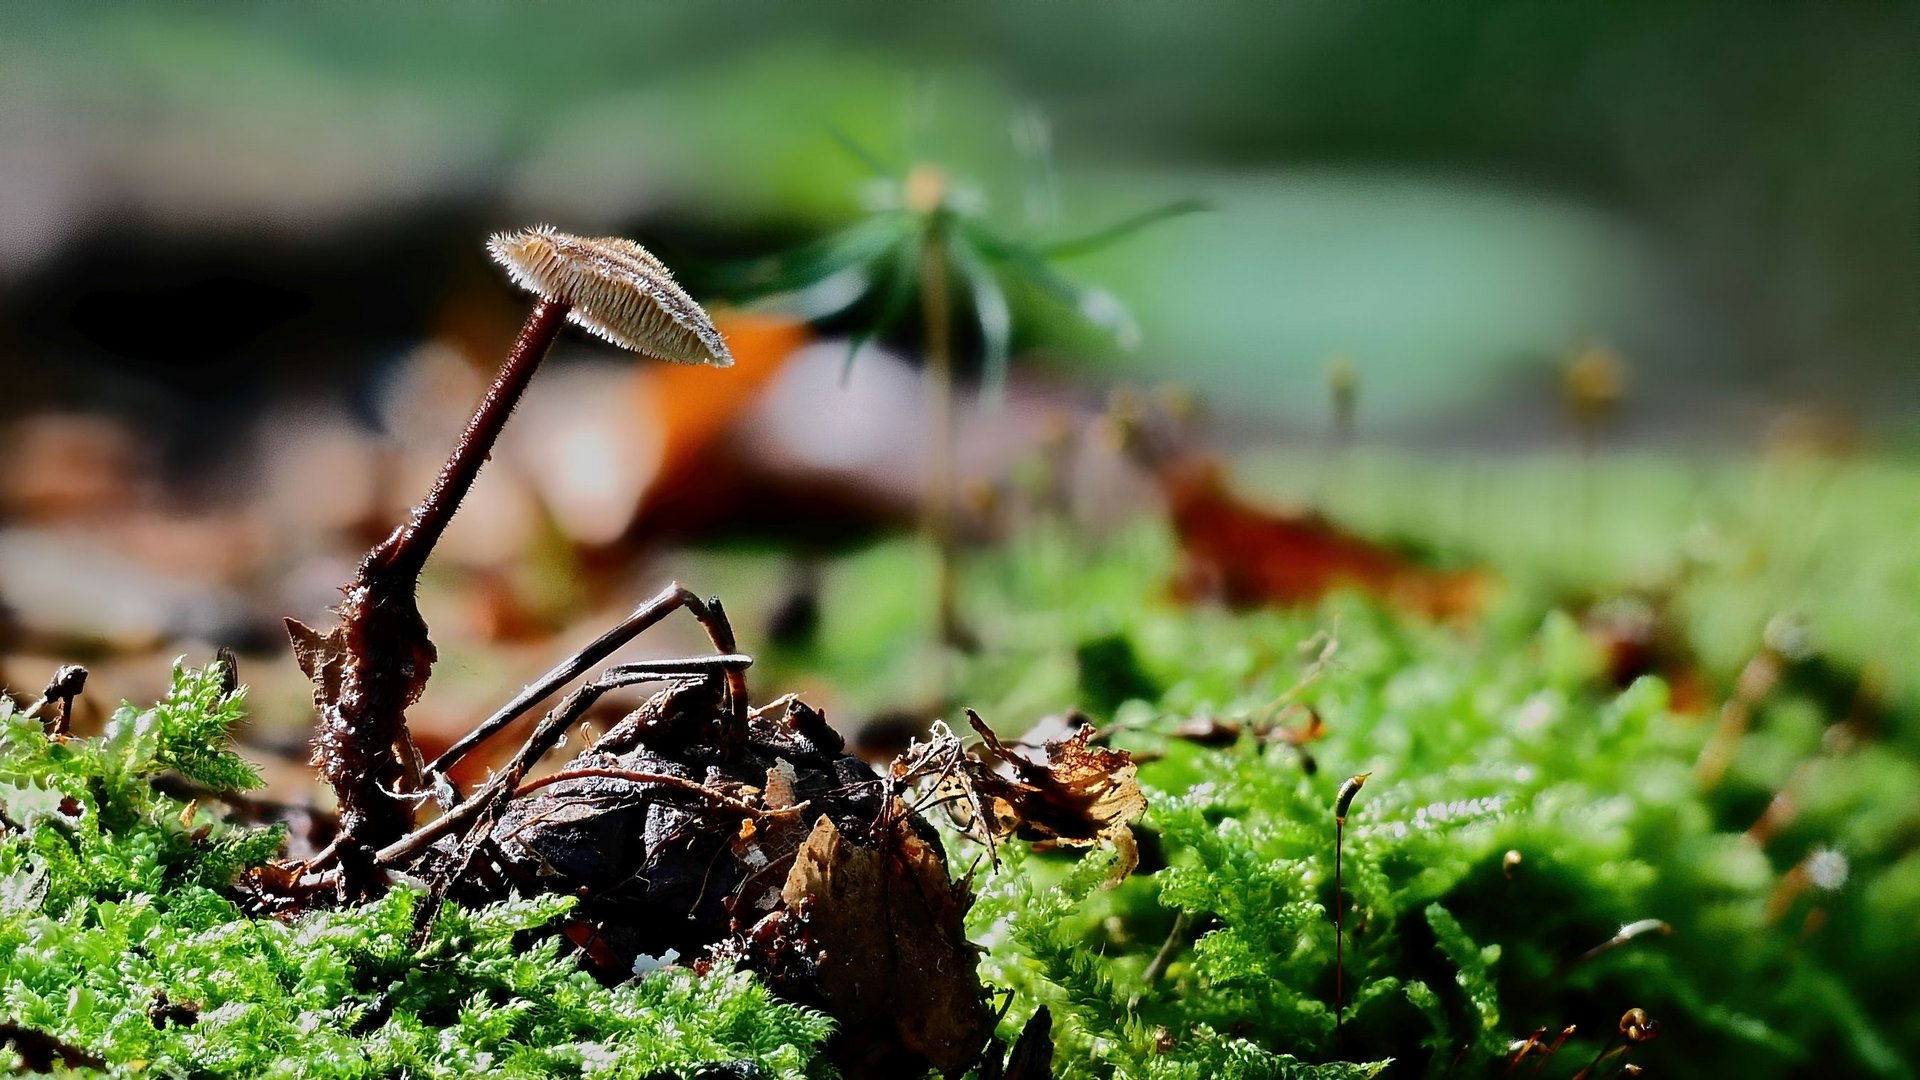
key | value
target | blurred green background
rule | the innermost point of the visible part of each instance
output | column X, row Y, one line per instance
column 244, row 302
column 1453, row 195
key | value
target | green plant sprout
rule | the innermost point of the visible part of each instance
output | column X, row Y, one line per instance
column 927, row 234
column 1343, row 387
column 1343, row 394
column 1594, row 382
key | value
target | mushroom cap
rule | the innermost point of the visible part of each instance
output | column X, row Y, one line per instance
column 618, row 290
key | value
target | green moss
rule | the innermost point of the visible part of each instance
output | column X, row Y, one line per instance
column 1493, row 737
column 113, row 910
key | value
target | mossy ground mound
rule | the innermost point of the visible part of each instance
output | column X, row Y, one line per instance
column 1523, row 809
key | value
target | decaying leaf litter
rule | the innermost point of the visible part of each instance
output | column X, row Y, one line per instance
column 698, row 827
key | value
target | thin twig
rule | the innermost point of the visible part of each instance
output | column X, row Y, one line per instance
column 658, row 779
column 642, row 618
column 1169, row 949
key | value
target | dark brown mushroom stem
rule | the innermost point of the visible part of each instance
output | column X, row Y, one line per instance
column 407, row 549
column 362, row 748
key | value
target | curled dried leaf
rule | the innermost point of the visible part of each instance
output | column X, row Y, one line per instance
column 1075, row 795
column 272, row 889
column 322, row 659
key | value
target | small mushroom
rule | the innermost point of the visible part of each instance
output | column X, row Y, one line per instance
column 617, row 289
column 368, row 670
column 608, row 285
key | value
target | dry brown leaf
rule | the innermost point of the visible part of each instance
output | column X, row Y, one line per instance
column 1208, row 730
column 1250, row 556
column 1078, row 795
column 322, row 658
column 1312, row 729
column 896, row 969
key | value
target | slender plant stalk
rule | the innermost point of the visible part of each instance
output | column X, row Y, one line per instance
column 1589, row 486
column 1520, row 1055
column 1176, row 937
column 1607, row 1050
column 1593, row 384
column 1343, row 387
column 1339, row 933
column 936, row 313
column 1540, row 1063
column 1342, row 803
